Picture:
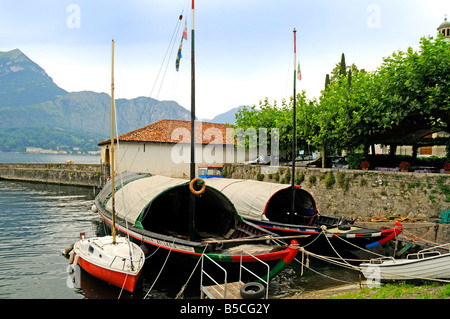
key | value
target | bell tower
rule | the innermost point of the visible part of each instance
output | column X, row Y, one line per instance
column 444, row 28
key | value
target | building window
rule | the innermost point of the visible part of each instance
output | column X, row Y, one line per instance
column 448, row 32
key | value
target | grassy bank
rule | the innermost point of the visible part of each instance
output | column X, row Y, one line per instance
column 399, row 291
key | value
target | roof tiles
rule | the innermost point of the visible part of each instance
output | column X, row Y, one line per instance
column 176, row 131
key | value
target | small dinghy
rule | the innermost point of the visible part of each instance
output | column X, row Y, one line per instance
column 118, row 262
column 425, row 265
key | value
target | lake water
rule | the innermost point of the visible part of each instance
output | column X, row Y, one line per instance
column 8, row 157
column 38, row 221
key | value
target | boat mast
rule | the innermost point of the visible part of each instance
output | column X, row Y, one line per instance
column 294, row 121
column 192, row 167
column 112, row 147
column 192, row 164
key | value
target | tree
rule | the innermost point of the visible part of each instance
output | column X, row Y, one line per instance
column 343, row 67
column 274, row 116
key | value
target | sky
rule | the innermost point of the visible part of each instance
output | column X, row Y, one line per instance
column 243, row 48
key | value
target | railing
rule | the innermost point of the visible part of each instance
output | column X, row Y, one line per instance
column 259, row 278
column 124, row 265
column 428, row 252
column 217, row 284
column 223, row 289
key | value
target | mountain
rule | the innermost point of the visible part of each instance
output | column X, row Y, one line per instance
column 30, row 99
column 23, row 82
column 227, row 117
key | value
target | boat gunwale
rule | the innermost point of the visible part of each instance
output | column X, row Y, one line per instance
column 197, row 248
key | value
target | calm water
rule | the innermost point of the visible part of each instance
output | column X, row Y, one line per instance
column 39, row 221
column 7, row 157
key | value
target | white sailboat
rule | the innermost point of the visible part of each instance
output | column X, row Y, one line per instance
column 116, row 260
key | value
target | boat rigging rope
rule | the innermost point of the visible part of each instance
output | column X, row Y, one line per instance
column 157, row 277
column 169, row 48
column 192, row 273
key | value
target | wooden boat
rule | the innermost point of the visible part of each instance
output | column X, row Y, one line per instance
column 113, row 259
column 268, row 205
column 116, row 261
column 186, row 217
column 425, row 265
column 155, row 210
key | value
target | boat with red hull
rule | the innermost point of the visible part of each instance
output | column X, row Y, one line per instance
column 154, row 211
column 268, row 205
column 119, row 263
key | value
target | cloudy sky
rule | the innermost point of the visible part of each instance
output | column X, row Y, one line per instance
column 243, row 48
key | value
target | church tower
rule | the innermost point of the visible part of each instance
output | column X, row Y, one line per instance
column 444, row 28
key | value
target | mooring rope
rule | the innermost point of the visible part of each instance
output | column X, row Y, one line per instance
column 192, row 273
column 157, row 277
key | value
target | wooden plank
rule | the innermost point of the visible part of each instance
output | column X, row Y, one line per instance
column 217, row 291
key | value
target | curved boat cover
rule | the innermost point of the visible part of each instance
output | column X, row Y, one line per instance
column 162, row 204
column 134, row 196
column 262, row 200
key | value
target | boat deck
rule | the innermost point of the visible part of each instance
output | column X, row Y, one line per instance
column 217, row 291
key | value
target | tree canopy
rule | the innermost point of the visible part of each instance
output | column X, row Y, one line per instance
column 409, row 91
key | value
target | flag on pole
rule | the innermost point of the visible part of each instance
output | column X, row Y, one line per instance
column 299, row 72
column 177, row 62
column 185, row 30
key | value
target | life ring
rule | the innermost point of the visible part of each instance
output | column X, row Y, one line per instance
column 252, row 290
column 191, row 186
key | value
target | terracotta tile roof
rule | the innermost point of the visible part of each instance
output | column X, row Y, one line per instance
column 163, row 131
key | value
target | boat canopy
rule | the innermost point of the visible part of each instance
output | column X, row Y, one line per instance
column 261, row 201
column 161, row 204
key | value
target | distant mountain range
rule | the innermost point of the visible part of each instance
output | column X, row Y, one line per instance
column 29, row 99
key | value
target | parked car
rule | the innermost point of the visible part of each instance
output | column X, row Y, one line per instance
column 340, row 162
column 264, row 160
column 259, row 160
column 301, row 161
column 330, row 162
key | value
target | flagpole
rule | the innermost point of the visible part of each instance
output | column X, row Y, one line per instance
column 294, row 121
column 192, row 164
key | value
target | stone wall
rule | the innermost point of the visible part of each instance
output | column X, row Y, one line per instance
column 70, row 174
column 361, row 194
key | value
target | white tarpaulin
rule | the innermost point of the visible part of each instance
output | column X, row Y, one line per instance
column 133, row 197
column 252, row 198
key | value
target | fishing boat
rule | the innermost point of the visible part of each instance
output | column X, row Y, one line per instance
column 290, row 210
column 426, row 265
column 268, row 205
column 187, row 218
column 113, row 259
column 155, row 211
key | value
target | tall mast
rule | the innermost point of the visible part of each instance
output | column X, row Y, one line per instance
column 294, row 121
column 112, row 147
column 192, row 167
column 192, row 164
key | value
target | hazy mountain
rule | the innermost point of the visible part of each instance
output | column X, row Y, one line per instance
column 29, row 98
column 227, row 117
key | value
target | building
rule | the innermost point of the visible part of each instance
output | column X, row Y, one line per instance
column 163, row 148
column 444, row 28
